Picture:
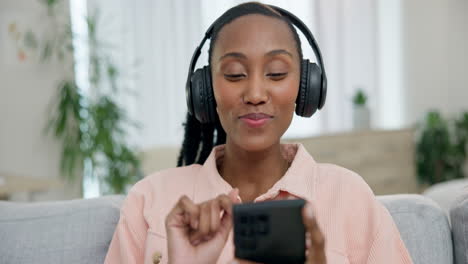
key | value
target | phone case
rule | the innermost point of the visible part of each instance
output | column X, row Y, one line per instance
column 270, row 232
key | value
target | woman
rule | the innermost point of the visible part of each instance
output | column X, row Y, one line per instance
column 183, row 215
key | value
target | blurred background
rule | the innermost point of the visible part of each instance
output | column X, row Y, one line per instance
column 92, row 92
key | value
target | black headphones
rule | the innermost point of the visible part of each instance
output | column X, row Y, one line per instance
column 312, row 89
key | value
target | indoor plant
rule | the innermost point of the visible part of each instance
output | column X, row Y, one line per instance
column 441, row 148
column 361, row 113
column 92, row 127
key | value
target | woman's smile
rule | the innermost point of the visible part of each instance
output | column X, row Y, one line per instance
column 256, row 120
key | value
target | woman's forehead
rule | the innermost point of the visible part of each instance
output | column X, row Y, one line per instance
column 254, row 34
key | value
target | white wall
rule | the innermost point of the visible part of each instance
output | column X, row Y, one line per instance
column 26, row 89
column 435, row 57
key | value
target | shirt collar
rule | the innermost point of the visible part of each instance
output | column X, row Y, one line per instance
column 298, row 179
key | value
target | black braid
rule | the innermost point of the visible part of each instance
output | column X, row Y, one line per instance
column 199, row 139
column 199, row 135
column 207, row 141
column 191, row 141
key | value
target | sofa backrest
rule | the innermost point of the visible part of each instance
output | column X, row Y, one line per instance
column 75, row 231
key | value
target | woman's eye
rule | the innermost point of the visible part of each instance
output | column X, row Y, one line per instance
column 277, row 75
column 234, row 77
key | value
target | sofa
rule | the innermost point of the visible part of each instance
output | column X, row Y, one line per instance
column 80, row 231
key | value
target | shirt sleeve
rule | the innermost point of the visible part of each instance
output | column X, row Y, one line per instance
column 125, row 246
column 387, row 246
column 128, row 242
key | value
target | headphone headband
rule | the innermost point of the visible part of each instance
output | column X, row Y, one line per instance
column 305, row 30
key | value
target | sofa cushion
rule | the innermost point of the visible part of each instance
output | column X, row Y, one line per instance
column 459, row 219
column 423, row 226
column 75, row 231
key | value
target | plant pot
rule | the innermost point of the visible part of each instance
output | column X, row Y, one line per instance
column 361, row 117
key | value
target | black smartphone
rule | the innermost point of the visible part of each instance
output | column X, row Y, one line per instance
column 270, row 232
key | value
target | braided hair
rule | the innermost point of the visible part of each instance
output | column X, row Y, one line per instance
column 199, row 139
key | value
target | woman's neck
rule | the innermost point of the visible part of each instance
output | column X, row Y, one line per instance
column 252, row 172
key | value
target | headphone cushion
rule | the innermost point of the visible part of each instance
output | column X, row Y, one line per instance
column 198, row 90
column 209, row 102
column 301, row 95
column 315, row 89
column 204, row 104
column 311, row 85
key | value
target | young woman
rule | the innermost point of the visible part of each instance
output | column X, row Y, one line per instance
column 183, row 215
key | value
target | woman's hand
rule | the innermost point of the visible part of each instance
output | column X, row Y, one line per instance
column 315, row 241
column 197, row 233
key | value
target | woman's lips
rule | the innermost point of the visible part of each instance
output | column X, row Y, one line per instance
column 255, row 120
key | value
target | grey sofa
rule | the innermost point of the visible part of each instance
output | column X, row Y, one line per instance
column 79, row 231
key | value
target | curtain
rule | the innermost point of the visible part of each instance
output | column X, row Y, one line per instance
column 347, row 36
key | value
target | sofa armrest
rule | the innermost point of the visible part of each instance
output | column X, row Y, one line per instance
column 459, row 220
column 423, row 226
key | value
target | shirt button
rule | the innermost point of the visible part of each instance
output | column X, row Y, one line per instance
column 157, row 257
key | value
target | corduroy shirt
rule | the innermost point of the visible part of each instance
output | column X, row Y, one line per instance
column 356, row 227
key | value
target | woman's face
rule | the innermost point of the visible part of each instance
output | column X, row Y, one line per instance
column 255, row 73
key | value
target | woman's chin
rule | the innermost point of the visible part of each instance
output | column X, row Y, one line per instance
column 256, row 143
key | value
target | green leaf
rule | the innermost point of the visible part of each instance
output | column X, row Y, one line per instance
column 360, row 98
column 92, row 128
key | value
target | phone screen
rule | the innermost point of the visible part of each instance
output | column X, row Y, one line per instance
column 270, row 232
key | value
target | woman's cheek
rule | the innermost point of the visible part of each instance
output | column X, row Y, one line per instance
column 226, row 98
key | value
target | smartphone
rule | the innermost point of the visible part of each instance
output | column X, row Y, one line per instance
column 270, row 232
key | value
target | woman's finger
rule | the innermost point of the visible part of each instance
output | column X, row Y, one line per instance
column 205, row 218
column 191, row 209
column 234, row 195
column 225, row 203
column 215, row 216
column 184, row 207
column 220, row 217
column 203, row 229
column 315, row 241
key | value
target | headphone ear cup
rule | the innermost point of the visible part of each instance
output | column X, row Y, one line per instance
column 197, row 93
column 204, row 104
column 301, row 95
column 209, row 102
column 308, row 98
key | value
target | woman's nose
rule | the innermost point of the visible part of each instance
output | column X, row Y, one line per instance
column 256, row 91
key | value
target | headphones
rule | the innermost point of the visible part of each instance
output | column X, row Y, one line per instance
column 312, row 88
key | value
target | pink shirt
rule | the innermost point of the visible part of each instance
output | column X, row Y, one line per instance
column 357, row 228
